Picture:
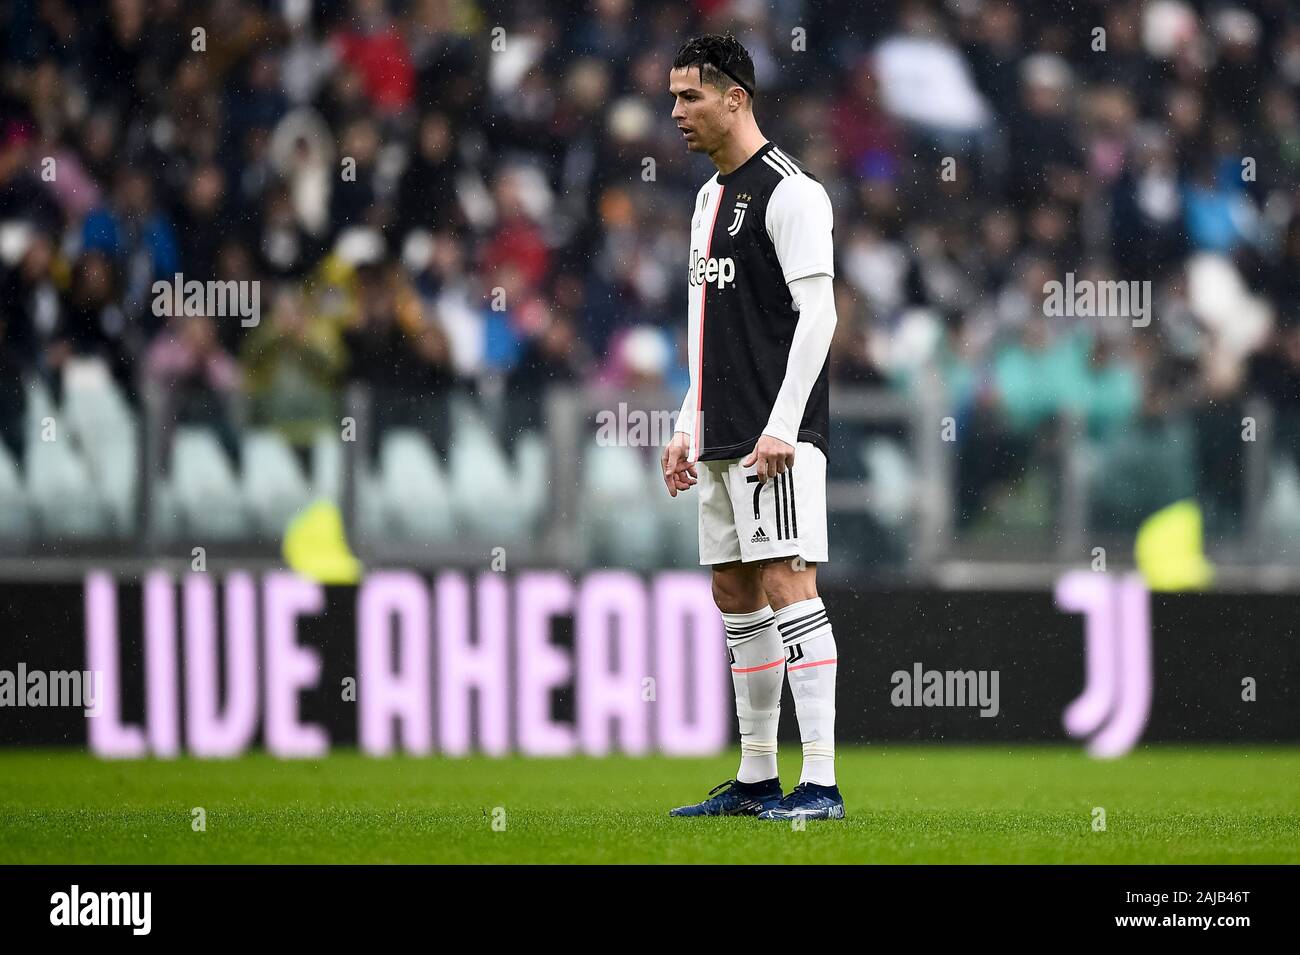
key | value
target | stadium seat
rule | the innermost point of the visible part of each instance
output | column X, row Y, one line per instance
column 15, row 515
column 488, row 495
column 40, row 405
column 679, row 520
column 1137, row 473
column 327, row 466
column 273, row 483
column 96, row 411
column 61, row 494
column 413, row 493
column 370, row 506
column 532, row 477
column 208, row 496
column 892, row 481
column 61, row 489
column 1280, row 521
column 619, row 527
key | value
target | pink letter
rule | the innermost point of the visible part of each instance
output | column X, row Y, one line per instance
column 612, row 691
column 1116, row 697
column 1091, row 594
column 161, row 684
column 289, row 667
column 480, row 665
column 388, row 689
column 1133, row 661
column 108, row 737
column 687, row 624
column 541, row 595
column 210, row 729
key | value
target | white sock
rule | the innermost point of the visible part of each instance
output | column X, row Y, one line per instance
column 757, row 671
column 810, row 664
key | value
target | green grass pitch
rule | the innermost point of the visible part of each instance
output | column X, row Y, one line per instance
column 909, row 804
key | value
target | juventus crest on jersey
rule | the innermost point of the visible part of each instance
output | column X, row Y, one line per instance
column 753, row 230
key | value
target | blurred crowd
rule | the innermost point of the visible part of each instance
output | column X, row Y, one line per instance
column 462, row 195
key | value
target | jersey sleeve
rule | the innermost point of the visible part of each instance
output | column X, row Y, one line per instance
column 686, row 416
column 799, row 222
column 814, row 297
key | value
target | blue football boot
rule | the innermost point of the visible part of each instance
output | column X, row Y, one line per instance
column 808, row 801
column 735, row 798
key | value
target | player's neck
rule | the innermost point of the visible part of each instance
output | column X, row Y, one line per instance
column 737, row 149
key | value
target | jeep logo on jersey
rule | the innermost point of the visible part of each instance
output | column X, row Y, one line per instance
column 721, row 272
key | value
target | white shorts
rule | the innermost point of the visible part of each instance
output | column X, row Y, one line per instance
column 784, row 517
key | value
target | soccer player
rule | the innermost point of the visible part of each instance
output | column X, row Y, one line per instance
column 753, row 426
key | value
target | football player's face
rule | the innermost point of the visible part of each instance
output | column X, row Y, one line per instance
column 699, row 110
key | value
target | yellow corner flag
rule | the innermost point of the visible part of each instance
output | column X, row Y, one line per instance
column 1169, row 549
column 315, row 545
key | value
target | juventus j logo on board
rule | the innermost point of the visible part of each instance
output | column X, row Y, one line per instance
column 742, row 203
column 1116, row 698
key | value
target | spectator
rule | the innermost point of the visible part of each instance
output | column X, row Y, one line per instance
column 292, row 364
column 401, row 356
column 136, row 235
column 94, row 324
column 195, row 381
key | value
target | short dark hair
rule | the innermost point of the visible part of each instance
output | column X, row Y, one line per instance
column 723, row 61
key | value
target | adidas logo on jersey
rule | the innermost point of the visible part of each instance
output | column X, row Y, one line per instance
column 721, row 272
column 759, row 537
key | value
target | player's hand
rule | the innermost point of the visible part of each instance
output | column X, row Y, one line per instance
column 772, row 457
column 679, row 474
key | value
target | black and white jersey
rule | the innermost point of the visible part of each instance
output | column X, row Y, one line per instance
column 764, row 224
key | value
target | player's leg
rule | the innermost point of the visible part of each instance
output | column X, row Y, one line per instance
column 811, row 661
column 754, row 652
column 811, row 658
column 757, row 666
column 807, row 639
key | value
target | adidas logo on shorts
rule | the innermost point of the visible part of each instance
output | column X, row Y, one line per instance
column 759, row 537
